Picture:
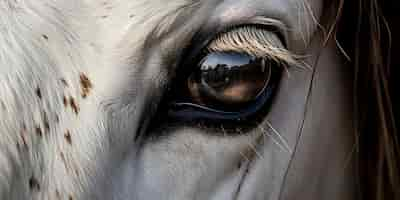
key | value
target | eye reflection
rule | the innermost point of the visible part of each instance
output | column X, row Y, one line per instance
column 228, row 79
column 231, row 79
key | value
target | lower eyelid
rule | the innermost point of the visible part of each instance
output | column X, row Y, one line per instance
column 189, row 112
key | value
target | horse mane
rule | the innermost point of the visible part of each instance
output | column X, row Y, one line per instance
column 366, row 29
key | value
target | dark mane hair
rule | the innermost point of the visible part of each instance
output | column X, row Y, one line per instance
column 366, row 31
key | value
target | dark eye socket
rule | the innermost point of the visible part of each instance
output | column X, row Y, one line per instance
column 233, row 79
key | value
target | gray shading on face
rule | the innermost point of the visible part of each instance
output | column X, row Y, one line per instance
column 298, row 150
column 132, row 112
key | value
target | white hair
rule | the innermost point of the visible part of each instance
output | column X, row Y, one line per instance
column 70, row 100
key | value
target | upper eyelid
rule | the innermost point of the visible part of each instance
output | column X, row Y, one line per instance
column 209, row 31
column 280, row 27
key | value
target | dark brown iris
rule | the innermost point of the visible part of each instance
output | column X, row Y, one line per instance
column 229, row 79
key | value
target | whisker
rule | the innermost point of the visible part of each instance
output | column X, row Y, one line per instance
column 255, row 150
column 302, row 34
column 266, row 133
column 244, row 156
column 314, row 18
column 282, row 139
column 349, row 157
column 341, row 49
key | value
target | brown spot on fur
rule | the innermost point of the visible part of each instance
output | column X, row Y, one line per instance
column 86, row 85
column 70, row 197
column 46, row 122
column 65, row 101
column 57, row 119
column 34, row 183
column 104, row 16
column 131, row 16
column 38, row 131
column 45, row 37
column 47, row 126
column 24, row 143
column 73, row 105
column 64, row 82
column 38, row 93
column 67, row 137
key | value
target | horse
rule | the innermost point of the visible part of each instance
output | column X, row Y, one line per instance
column 181, row 99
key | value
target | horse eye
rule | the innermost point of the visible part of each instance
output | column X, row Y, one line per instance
column 232, row 78
column 225, row 86
column 228, row 80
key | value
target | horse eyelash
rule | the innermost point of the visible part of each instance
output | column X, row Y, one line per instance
column 254, row 41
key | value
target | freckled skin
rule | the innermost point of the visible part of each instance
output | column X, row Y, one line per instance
column 34, row 184
column 38, row 131
column 65, row 101
column 73, row 105
column 86, row 78
column 38, row 93
column 46, row 124
column 86, row 85
column 24, row 140
column 68, row 137
column 64, row 82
